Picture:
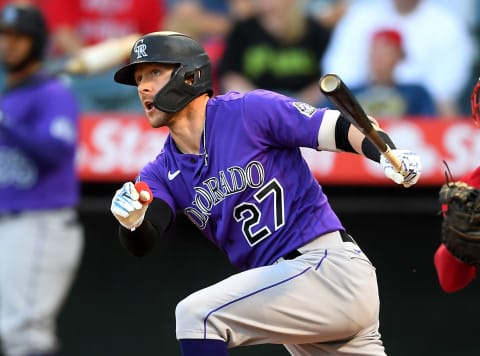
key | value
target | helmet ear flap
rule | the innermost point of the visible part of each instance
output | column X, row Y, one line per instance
column 475, row 103
column 186, row 84
column 175, row 94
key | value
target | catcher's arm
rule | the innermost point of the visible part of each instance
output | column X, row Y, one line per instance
column 455, row 271
column 453, row 274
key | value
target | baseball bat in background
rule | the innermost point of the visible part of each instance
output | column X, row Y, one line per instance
column 340, row 95
column 96, row 58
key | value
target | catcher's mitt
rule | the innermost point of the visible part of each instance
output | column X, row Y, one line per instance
column 461, row 221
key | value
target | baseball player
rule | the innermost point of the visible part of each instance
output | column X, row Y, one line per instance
column 456, row 270
column 40, row 239
column 233, row 166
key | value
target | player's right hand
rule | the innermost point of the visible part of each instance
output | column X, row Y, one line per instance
column 411, row 168
column 129, row 206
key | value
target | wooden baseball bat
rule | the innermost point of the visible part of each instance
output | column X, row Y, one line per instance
column 340, row 95
column 97, row 58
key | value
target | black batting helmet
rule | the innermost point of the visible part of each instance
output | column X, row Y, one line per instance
column 28, row 20
column 171, row 48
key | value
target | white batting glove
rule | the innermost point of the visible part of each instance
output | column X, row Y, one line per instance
column 410, row 171
column 127, row 206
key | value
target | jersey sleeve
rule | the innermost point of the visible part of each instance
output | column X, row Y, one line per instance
column 281, row 121
column 50, row 137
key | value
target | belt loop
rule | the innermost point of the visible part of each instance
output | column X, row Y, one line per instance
column 329, row 240
column 346, row 237
column 292, row 255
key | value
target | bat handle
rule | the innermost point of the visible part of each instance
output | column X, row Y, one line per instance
column 393, row 159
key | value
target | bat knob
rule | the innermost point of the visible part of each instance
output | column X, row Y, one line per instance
column 329, row 83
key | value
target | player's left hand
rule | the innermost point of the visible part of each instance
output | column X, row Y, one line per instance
column 130, row 203
column 410, row 171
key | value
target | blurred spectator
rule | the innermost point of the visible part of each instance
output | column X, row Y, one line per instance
column 41, row 240
column 327, row 12
column 381, row 96
column 198, row 19
column 208, row 22
column 466, row 9
column 439, row 50
column 77, row 23
column 277, row 49
column 37, row 3
column 241, row 9
column 206, row 18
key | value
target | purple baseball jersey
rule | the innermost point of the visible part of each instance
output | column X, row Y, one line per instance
column 38, row 137
column 250, row 191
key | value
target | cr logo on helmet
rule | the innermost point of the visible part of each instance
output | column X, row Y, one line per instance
column 140, row 49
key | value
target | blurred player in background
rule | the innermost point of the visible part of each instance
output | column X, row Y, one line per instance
column 77, row 24
column 232, row 164
column 454, row 272
column 40, row 238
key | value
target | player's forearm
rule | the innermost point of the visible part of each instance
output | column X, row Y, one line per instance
column 41, row 147
column 140, row 241
column 370, row 151
column 336, row 133
column 363, row 145
column 158, row 219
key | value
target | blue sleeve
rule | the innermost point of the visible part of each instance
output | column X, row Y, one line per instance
column 420, row 102
column 427, row 105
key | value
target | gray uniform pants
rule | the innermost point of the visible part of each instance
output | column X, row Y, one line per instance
column 39, row 255
column 324, row 302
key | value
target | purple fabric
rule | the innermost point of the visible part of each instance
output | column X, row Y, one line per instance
column 203, row 347
column 254, row 196
column 38, row 137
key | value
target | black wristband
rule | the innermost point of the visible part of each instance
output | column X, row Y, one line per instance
column 371, row 151
column 341, row 135
column 140, row 241
column 158, row 219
